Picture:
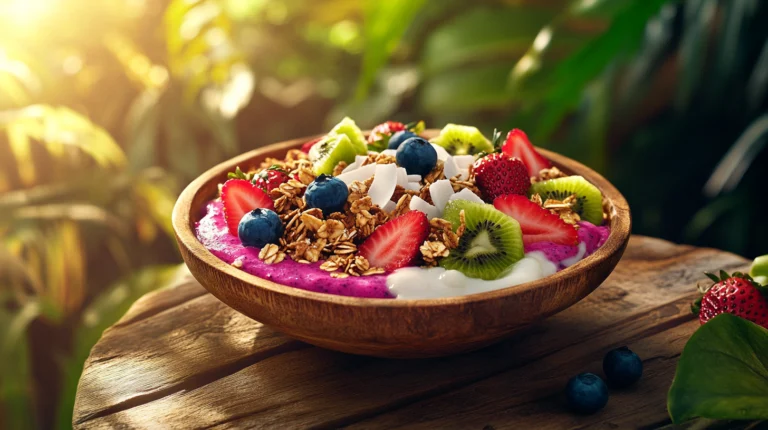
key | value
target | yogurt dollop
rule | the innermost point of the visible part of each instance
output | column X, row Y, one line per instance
column 434, row 282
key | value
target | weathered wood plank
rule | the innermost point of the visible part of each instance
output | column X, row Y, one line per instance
column 531, row 397
column 202, row 363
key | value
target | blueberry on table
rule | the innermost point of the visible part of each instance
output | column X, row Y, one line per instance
column 417, row 156
column 327, row 194
column 586, row 393
column 399, row 137
column 260, row 227
column 622, row 367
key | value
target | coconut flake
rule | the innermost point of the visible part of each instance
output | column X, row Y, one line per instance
column 392, row 152
column 414, row 178
column 466, row 194
column 449, row 168
column 390, row 206
column 359, row 174
column 419, row 204
column 384, row 182
column 413, row 186
column 441, row 191
column 463, row 161
column 442, row 154
column 402, row 177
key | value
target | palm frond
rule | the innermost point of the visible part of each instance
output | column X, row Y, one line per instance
column 382, row 33
column 737, row 160
column 57, row 128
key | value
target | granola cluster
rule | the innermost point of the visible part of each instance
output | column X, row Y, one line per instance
column 309, row 236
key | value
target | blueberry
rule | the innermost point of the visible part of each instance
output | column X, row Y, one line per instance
column 260, row 227
column 398, row 138
column 417, row 156
column 326, row 193
column 586, row 393
column 622, row 367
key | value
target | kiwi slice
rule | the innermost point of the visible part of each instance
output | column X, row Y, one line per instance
column 327, row 153
column 490, row 245
column 462, row 140
column 589, row 200
column 348, row 128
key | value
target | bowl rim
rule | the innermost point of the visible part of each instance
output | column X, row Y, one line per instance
column 183, row 219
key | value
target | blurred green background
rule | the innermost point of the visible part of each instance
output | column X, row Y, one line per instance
column 108, row 108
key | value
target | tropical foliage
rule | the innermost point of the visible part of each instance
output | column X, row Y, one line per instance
column 106, row 113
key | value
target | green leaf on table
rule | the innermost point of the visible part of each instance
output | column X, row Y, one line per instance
column 384, row 26
column 722, row 373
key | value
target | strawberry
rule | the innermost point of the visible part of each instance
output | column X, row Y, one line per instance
column 308, row 145
column 385, row 130
column 736, row 294
column 396, row 243
column 537, row 223
column 271, row 178
column 379, row 136
column 240, row 197
column 499, row 174
column 518, row 145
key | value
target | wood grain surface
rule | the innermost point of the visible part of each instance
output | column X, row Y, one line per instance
column 180, row 358
column 385, row 327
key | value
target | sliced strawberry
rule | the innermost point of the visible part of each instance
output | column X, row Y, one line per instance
column 537, row 223
column 240, row 197
column 308, row 145
column 518, row 145
column 396, row 243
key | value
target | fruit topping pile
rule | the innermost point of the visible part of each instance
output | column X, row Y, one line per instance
column 364, row 205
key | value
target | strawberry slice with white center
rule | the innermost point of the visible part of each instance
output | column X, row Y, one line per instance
column 518, row 145
column 240, row 197
column 396, row 243
column 537, row 223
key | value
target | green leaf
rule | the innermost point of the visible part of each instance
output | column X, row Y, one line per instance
column 15, row 395
column 483, row 34
column 466, row 90
column 384, row 26
column 722, row 373
column 542, row 78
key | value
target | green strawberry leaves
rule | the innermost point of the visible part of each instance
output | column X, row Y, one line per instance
column 722, row 373
column 239, row 174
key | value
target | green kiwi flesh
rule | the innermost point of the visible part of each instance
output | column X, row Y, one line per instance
column 491, row 244
column 462, row 140
column 348, row 128
column 589, row 200
column 327, row 153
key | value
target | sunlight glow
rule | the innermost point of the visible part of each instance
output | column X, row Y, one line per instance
column 542, row 39
column 25, row 12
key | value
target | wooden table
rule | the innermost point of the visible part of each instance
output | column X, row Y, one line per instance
column 180, row 359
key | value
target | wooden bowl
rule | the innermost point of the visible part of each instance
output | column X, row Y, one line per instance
column 387, row 327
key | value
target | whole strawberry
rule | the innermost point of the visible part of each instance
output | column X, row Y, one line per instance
column 736, row 294
column 499, row 174
column 270, row 178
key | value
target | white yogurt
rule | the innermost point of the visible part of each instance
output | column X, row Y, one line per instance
column 434, row 282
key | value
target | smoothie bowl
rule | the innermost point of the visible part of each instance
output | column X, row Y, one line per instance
column 415, row 243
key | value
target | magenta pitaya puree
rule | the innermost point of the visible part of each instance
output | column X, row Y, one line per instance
column 213, row 234
column 591, row 235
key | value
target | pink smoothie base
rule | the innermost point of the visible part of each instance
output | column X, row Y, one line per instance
column 212, row 232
